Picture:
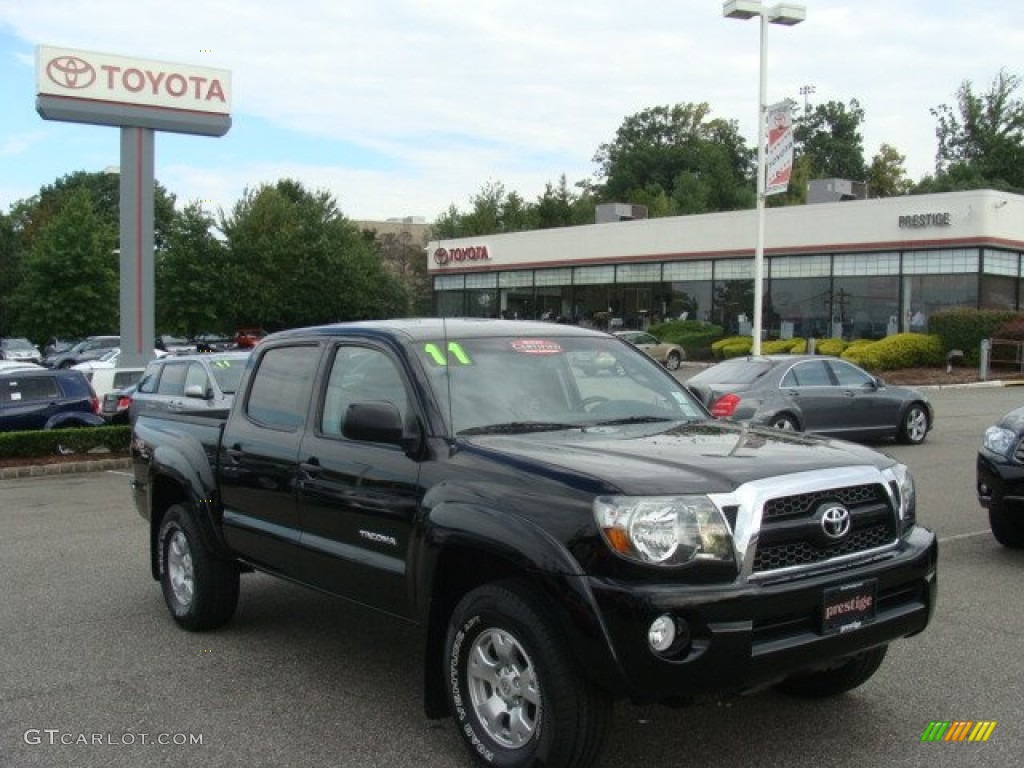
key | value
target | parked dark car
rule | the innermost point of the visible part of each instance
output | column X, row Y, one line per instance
column 45, row 399
column 89, row 349
column 21, row 350
column 174, row 345
column 1000, row 478
column 813, row 393
column 189, row 383
column 115, row 406
column 212, row 342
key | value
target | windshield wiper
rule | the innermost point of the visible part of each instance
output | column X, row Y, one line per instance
column 518, row 428
column 631, row 420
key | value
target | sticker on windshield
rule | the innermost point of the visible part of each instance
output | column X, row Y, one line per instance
column 455, row 353
column 537, row 347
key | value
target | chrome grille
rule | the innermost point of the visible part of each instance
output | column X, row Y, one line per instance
column 791, row 533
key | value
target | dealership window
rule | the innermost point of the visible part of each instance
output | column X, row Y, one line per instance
column 692, row 297
column 801, row 266
column 924, row 295
column 638, row 273
column 999, row 280
column 870, row 305
column 866, row 264
column 450, row 303
column 593, row 275
column 801, row 307
column 733, row 307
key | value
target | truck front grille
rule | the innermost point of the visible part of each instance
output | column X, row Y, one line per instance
column 792, row 533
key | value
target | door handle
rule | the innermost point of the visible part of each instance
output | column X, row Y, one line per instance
column 311, row 466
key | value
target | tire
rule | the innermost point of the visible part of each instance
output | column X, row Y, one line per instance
column 503, row 657
column 913, row 425
column 786, row 421
column 1007, row 524
column 201, row 590
column 673, row 361
column 855, row 671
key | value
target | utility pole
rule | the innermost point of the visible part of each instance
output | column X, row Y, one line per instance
column 805, row 91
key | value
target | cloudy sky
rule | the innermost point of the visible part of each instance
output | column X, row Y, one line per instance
column 404, row 107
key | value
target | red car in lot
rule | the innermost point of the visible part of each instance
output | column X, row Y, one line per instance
column 247, row 338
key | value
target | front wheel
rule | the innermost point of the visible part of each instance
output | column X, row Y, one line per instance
column 850, row 674
column 914, row 425
column 519, row 699
column 1007, row 524
column 673, row 361
column 200, row 589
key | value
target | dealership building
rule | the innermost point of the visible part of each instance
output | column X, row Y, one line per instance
column 852, row 269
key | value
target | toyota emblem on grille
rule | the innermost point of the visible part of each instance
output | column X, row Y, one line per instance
column 835, row 521
column 70, row 72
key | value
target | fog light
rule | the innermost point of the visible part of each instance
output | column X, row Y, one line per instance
column 662, row 633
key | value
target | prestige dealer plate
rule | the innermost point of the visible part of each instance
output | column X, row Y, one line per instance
column 848, row 607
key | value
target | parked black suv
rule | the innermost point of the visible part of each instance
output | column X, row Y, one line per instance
column 46, row 400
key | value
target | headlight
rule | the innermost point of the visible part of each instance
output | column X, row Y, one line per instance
column 999, row 440
column 664, row 530
column 902, row 484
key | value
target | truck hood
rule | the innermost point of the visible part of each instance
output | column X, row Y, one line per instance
column 702, row 457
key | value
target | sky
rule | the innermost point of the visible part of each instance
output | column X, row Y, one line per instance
column 407, row 107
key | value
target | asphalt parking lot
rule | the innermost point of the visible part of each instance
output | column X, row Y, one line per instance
column 93, row 672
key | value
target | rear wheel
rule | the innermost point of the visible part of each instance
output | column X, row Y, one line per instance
column 786, row 421
column 519, row 699
column 200, row 589
column 1007, row 524
column 849, row 674
column 914, row 426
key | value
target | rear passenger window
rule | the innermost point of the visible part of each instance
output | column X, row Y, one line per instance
column 32, row 388
column 282, row 386
column 172, row 382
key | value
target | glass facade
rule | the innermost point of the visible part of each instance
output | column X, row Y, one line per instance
column 850, row 295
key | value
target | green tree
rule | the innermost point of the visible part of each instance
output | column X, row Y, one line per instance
column 829, row 137
column 189, row 276
column 69, row 284
column 887, row 175
column 679, row 160
column 981, row 138
column 10, row 272
column 494, row 210
column 406, row 261
column 559, row 206
column 293, row 259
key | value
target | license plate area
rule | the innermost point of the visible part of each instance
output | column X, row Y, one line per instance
column 849, row 606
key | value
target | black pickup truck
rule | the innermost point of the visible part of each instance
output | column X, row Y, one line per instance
column 565, row 522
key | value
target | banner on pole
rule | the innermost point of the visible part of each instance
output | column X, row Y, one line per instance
column 779, row 151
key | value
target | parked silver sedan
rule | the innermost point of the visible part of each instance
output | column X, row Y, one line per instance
column 813, row 393
column 669, row 355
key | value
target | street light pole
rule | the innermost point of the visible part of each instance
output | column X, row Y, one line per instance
column 787, row 14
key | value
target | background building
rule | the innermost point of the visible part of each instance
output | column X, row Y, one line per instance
column 855, row 269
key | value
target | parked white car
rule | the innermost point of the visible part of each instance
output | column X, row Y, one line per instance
column 106, row 380
column 109, row 360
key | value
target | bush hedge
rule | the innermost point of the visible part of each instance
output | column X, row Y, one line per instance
column 48, row 442
column 902, row 350
column 964, row 329
column 692, row 335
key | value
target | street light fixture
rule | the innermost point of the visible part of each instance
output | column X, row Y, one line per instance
column 786, row 14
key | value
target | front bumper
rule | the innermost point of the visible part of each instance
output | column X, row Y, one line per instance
column 998, row 481
column 744, row 637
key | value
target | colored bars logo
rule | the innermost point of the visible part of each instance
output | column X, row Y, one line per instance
column 958, row 730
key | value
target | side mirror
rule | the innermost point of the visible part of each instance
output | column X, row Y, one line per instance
column 196, row 391
column 377, row 422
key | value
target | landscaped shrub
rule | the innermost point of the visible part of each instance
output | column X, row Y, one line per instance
column 800, row 348
column 833, row 347
column 902, row 350
column 964, row 329
column 47, row 442
column 779, row 346
column 737, row 346
column 692, row 335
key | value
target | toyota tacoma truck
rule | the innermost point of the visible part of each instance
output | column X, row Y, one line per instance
column 566, row 523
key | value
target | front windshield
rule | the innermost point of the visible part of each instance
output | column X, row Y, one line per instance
column 228, row 372
column 523, row 384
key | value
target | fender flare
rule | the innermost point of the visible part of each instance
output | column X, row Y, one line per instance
column 510, row 545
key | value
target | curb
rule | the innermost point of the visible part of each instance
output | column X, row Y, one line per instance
column 65, row 468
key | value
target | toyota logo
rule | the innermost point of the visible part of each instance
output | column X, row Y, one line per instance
column 70, row 72
column 441, row 256
column 835, row 522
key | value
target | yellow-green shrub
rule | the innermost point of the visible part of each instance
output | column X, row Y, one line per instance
column 834, row 347
column 779, row 346
column 733, row 343
column 902, row 350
